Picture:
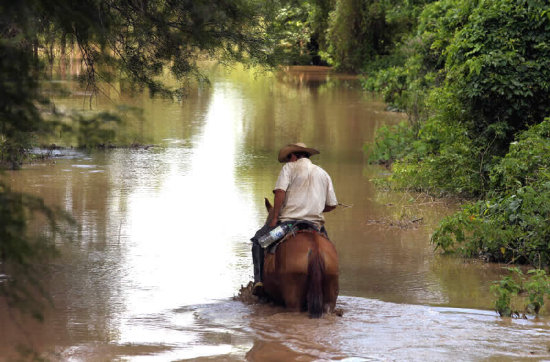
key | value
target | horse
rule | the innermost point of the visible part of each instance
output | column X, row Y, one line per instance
column 302, row 274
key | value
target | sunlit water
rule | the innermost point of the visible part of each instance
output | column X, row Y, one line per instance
column 163, row 243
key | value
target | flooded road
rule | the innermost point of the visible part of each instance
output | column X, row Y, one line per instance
column 163, row 244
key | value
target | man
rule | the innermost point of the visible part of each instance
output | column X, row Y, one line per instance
column 303, row 191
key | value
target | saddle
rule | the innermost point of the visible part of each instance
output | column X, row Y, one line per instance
column 299, row 226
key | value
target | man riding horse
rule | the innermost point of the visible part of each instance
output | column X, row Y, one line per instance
column 303, row 191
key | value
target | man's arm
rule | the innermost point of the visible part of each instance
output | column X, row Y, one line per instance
column 330, row 202
column 277, row 204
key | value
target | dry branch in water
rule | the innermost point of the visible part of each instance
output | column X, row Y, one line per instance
column 401, row 224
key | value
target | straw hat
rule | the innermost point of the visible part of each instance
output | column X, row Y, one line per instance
column 295, row 147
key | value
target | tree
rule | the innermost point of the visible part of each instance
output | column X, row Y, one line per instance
column 362, row 31
column 134, row 40
column 499, row 67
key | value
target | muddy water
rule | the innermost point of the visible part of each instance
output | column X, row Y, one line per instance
column 163, row 241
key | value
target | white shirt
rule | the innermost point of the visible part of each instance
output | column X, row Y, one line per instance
column 308, row 190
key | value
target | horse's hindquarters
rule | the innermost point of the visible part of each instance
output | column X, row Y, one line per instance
column 290, row 273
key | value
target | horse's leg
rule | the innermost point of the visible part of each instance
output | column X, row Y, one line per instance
column 330, row 292
column 330, row 276
column 293, row 290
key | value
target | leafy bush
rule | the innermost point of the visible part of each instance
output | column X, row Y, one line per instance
column 498, row 65
column 512, row 224
column 442, row 160
column 401, row 88
column 531, row 289
column 504, row 290
column 480, row 75
column 390, row 144
column 527, row 161
column 510, row 229
column 417, row 64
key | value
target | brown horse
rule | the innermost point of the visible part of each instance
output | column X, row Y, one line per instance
column 302, row 274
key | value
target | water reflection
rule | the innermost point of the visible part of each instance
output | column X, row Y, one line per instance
column 164, row 245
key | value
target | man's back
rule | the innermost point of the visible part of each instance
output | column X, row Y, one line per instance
column 308, row 190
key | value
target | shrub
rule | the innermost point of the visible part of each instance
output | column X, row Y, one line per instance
column 498, row 65
column 531, row 288
column 512, row 229
column 512, row 224
column 390, row 144
column 527, row 161
column 442, row 160
column 480, row 75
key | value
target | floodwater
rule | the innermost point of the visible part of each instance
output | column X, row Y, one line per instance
column 162, row 246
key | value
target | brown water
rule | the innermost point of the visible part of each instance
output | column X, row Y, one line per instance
column 163, row 245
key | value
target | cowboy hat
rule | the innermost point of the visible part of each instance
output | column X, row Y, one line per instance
column 295, row 147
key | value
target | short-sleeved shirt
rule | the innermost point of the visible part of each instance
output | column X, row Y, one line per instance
column 308, row 190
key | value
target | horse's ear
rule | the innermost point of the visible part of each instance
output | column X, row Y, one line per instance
column 268, row 205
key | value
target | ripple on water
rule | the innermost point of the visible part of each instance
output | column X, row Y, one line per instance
column 370, row 330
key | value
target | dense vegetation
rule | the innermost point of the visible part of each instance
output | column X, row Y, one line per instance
column 474, row 78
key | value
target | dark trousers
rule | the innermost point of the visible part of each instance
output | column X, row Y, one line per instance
column 258, row 260
column 258, row 254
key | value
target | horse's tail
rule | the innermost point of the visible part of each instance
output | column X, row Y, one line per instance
column 315, row 272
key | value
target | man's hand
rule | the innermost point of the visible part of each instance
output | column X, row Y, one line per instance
column 277, row 205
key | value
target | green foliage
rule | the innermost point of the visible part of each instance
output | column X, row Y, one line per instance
column 292, row 31
column 390, row 144
column 498, row 65
column 512, row 224
column 504, row 290
column 510, row 229
column 360, row 31
column 96, row 130
column 474, row 75
column 532, row 289
column 538, row 286
column 527, row 161
column 417, row 64
column 442, row 159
